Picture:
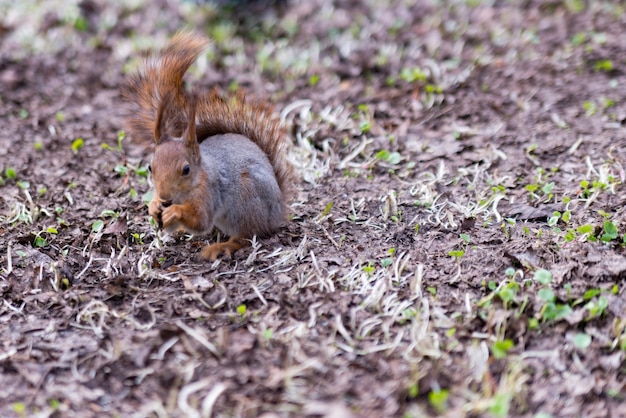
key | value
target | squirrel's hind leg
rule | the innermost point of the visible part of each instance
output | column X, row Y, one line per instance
column 228, row 248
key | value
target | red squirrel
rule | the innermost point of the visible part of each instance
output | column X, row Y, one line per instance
column 218, row 161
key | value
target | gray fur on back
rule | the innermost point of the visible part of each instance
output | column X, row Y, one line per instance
column 247, row 194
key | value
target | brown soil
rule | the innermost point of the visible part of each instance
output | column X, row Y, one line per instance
column 433, row 143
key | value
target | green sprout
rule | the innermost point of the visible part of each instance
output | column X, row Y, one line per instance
column 77, row 144
column 500, row 348
column 438, row 399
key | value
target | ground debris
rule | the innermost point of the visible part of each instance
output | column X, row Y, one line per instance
column 456, row 244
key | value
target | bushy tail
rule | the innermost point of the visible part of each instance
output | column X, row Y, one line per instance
column 161, row 76
column 255, row 120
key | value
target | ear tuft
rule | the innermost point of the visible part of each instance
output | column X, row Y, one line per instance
column 191, row 140
column 160, row 126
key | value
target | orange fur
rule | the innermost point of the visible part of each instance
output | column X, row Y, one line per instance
column 228, row 248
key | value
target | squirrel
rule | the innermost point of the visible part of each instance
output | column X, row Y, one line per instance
column 218, row 161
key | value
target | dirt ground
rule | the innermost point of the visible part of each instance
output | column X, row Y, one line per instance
column 457, row 240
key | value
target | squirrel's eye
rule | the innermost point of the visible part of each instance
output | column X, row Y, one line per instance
column 186, row 170
column 150, row 168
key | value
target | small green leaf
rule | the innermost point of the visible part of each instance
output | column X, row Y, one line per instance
column 501, row 347
column 547, row 188
column 579, row 38
column 456, row 253
column 241, row 310
column 507, row 293
column 394, row 158
column 327, row 210
column 97, row 226
column 546, row 294
column 81, row 24
column 582, row 341
column 19, row 408
column 77, row 144
column 122, row 169
column 433, row 89
column 314, row 79
column 543, row 276
column 554, row 219
column 146, row 198
column 500, row 405
column 386, row 262
column 610, row 230
column 10, row 173
column 591, row 293
column 575, row 6
column 603, row 65
column 465, row 237
column 390, row 157
column 382, row 155
column 109, row 213
column 555, row 312
column 143, row 171
column 585, row 229
column 606, row 102
column 438, row 399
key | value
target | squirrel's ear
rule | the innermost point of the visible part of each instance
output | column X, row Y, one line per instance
column 159, row 126
column 191, row 140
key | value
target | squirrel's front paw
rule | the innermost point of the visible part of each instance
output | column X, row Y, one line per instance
column 155, row 208
column 171, row 216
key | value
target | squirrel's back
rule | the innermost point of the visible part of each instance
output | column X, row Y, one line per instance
column 253, row 119
column 246, row 193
